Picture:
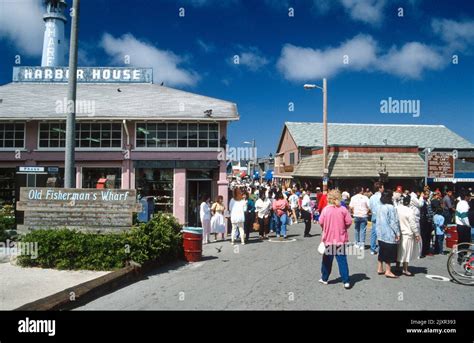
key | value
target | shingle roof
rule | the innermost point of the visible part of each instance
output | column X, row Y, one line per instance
column 423, row 136
column 357, row 165
column 133, row 101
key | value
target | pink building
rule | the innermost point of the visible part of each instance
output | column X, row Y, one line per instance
column 164, row 142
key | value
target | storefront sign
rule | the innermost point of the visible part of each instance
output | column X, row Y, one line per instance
column 82, row 209
column 31, row 170
column 84, row 74
column 37, row 170
column 441, row 165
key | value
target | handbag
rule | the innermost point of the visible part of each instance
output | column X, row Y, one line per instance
column 256, row 225
column 321, row 248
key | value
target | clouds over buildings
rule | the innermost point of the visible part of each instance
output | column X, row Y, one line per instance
column 167, row 66
column 21, row 23
column 250, row 57
column 363, row 53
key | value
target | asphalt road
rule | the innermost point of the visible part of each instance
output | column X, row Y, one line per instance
column 284, row 276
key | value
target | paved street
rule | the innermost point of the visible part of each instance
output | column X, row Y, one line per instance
column 284, row 276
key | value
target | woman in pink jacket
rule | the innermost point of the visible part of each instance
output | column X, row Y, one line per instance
column 335, row 220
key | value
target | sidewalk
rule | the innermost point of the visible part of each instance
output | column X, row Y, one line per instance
column 19, row 286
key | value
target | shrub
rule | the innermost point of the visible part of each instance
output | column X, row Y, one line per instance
column 157, row 240
column 7, row 223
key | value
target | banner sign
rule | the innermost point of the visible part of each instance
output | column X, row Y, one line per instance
column 82, row 209
column 440, row 165
column 84, row 74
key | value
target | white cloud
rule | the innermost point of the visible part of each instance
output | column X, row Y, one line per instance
column 205, row 46
column 21, row 22
column 458, row 34
column 252, row 58
column 165, row 63
column 368, row 11
column 322, row 6
column 298, row 63
column 411, row 60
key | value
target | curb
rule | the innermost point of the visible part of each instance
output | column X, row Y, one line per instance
column 93, row 289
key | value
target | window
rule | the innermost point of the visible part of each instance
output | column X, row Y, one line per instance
column 12, row 135
column 157, row 183
column 177, row 135
column 292, row 158
column 88, row 135
column 91, row 176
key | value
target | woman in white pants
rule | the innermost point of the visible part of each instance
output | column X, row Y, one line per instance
column 237, row 208
column 205, row 214
column 217, row 220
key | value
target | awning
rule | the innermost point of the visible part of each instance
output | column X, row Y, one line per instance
column 363, row 165
column 450, row 179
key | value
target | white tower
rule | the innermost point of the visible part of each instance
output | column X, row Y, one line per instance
column 54, row 45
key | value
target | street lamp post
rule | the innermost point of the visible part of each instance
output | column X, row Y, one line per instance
column 254, row 155
column 325, row 131
column 427, row 152
column 69, row 161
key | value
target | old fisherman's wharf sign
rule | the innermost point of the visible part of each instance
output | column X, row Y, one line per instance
column 85, row 75
column 98, row 210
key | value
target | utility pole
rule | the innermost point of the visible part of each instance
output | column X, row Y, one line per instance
column 325, row 136
column 70, row 158
column 324, row 88
column 254, row 152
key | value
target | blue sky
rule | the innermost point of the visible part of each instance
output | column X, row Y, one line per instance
column 386, row 55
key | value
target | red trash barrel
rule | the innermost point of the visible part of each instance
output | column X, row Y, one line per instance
column 192, row 244
column 451, row 236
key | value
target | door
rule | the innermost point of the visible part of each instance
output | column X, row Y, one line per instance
column 196, row 191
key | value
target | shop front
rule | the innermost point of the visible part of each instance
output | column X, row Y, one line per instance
column 178, row 187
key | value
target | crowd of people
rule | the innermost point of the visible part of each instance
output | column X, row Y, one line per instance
column 405, row 223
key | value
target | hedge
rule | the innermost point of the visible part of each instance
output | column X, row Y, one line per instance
column 7, row 223
column 157, row 240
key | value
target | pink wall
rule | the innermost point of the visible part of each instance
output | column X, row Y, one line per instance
column 116, row 159
column 179, row 195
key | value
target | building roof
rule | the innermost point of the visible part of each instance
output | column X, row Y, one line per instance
column 424, row 136
column 359, row 165
column 112, row 101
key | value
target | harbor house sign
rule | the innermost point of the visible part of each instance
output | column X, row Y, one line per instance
column 85, row 74
column 99, row 210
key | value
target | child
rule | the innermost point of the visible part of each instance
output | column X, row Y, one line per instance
column 438, row 222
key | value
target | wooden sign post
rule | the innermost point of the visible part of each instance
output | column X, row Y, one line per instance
column 441, row 165
column 97, row 210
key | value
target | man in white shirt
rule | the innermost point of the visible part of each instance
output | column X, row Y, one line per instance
column 306, row 212
column 360, row 208
column 293, row 200
column 462, row 218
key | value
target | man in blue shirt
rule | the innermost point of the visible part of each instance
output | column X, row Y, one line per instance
column 374, row 204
